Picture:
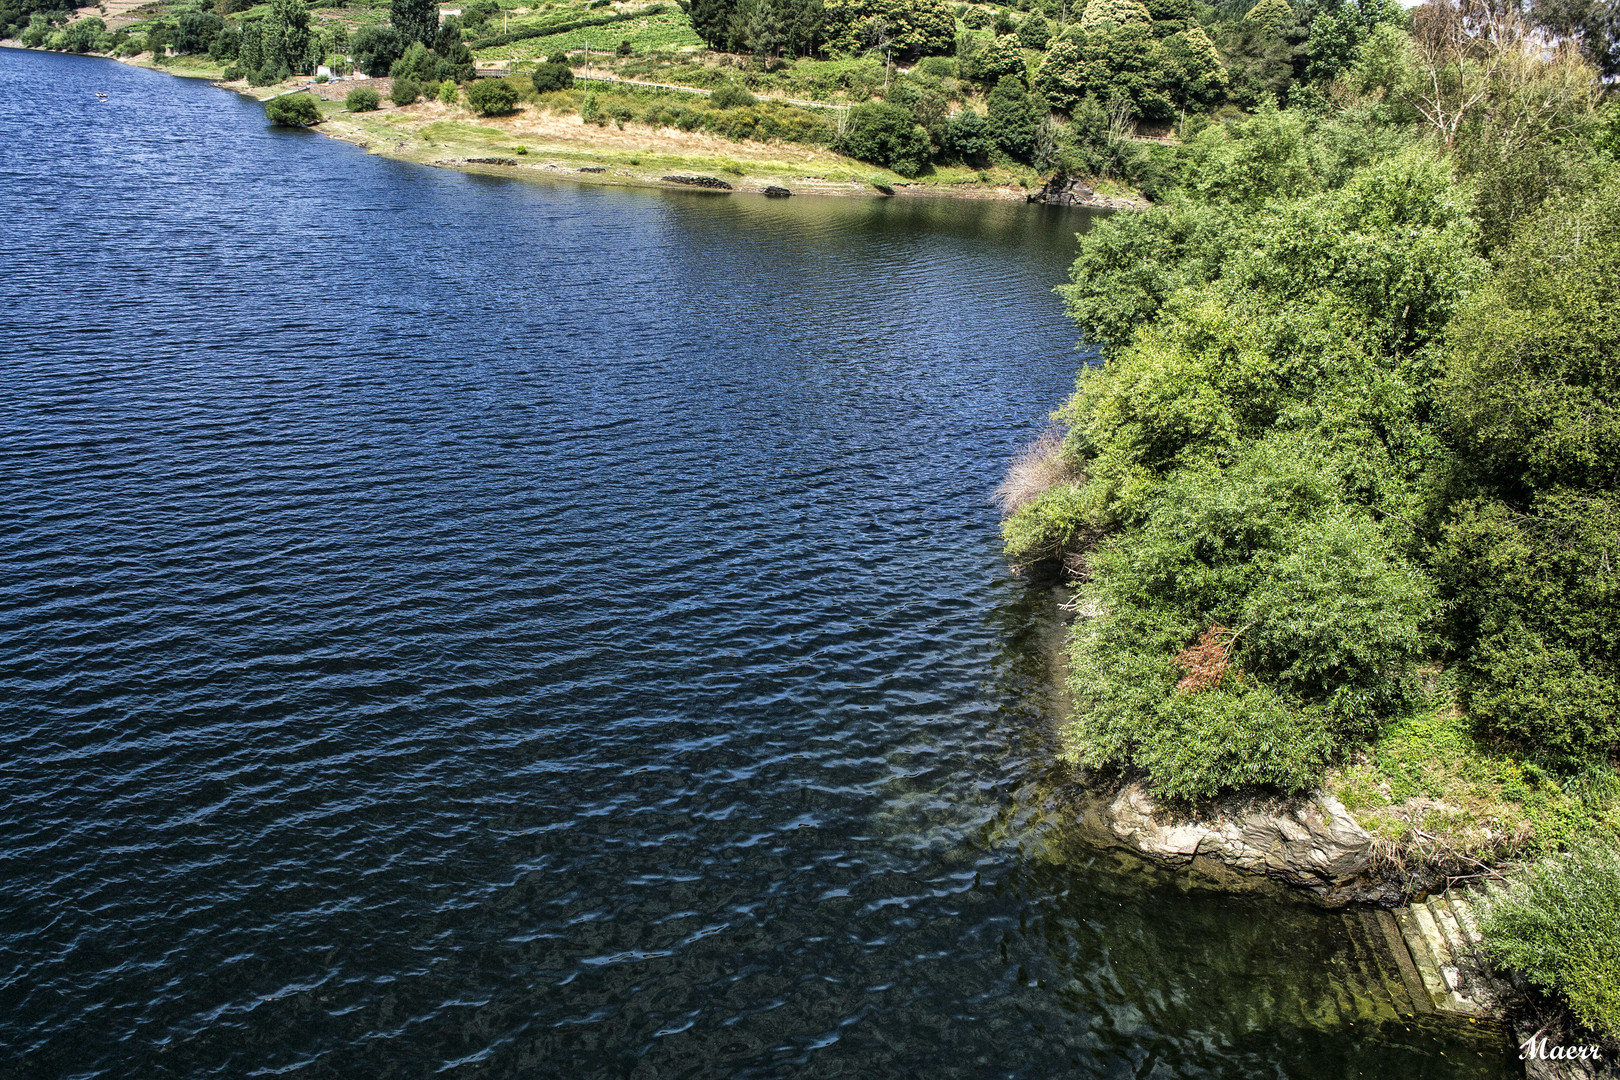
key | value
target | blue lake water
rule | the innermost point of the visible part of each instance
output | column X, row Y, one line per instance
column 455, row 625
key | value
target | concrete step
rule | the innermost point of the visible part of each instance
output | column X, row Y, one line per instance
column 1383, row 997
column 1387, row 938
column 1463, row 907
column 1422, row 953
column 1441, row 936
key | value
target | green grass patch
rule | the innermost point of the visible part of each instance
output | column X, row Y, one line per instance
column 1430, row 782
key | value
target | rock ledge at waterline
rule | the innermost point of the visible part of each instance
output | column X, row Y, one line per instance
column 1309, row 842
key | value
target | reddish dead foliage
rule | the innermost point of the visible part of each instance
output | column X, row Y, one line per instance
column 1205, row 661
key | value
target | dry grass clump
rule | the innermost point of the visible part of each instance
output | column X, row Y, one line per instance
column 1038, row 468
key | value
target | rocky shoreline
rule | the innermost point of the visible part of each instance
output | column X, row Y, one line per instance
column 1063, row 190
column 1308, row 842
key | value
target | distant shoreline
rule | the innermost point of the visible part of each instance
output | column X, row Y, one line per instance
column 537, row 144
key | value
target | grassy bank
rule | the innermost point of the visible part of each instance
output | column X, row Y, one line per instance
column 549, row 137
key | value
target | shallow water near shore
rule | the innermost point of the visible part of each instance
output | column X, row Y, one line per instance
column 452, row 625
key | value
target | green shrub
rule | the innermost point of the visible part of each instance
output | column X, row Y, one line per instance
column 447, row 92
column 1535, row 608
column 1560, row 925
column 406, row 90
column 1530, row 393
column 1312, row 623
column 730, row 96
column 493, row 97
column 39, row 30
column 293, row 110
column 362, row 99
column 887, row 135
column 552, row 75
column 978, row 18
column 1058, row 521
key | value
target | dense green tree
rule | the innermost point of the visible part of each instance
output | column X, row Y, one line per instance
column 452, row 58
column 284, row 39
column 1035, row 33
column 1014, row 117
column 1270, row 15
column 1000, row 56
column 362, row 99
column 81, row 36
column 1337, row 34
column 1118, row 12
column 793, row 27
column 967, row 138
column 712, row 21
column 226, row 45
column 417, row 63
column 250, row 53
column 551, row 76
column 767, row 33
column 1171, row 16
column 1259, row 64
column 375, row 48
column 1063, row 76
column 415, row 20
column 1112, row 60
column 806, row 23
column 886, row 135
column 928, row 107
column 1594, row 24
column 907, row 28
column 1195, row 76
column 195, row 31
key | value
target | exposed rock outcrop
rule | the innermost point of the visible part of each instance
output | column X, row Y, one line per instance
column 1065, row 191
column 1309, row 842
column 699, row 181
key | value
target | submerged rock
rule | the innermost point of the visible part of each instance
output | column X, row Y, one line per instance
column 774, row 192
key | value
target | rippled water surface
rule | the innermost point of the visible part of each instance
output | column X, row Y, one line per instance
column 457, row 625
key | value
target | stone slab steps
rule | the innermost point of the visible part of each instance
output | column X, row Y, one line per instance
column 1441, row 938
